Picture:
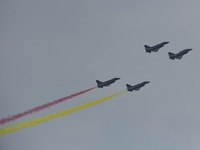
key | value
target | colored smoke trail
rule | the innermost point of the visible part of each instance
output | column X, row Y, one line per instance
column 35, row 121
column 41, row 107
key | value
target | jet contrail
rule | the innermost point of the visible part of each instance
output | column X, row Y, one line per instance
column 35, row 121
column 41, row 107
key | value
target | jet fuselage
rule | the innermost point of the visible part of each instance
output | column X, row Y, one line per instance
column 155, row 48
column 106, row 83
column 178, row 55
column 137, row 86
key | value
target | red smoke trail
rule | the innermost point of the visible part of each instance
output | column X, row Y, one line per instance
column 41, row 107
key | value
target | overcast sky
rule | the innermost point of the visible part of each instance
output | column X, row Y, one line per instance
column 51, row 49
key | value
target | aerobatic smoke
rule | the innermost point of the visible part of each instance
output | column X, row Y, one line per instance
column 35, row 121
column 41, row 107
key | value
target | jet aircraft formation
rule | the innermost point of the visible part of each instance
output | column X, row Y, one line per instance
column 172, row 56
column 129, row 87
column 100, row 84
column 148, row 49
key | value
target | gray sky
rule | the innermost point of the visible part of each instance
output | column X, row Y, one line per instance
column 50, row 49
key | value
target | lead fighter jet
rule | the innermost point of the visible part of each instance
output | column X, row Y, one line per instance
column 136, row 87
column 179, row 55
column 154, row 48
column 106, row 83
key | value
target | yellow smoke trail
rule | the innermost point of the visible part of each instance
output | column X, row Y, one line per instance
column 35, row 121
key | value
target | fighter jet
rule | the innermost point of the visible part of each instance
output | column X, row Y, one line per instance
column 136, row 87
column 106, row 83
column 154, row 48
column 178, row 55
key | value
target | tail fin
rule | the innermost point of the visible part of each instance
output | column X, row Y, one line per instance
column 127, row 85
column 146, row 46
column 98, row 82
column 171, row 55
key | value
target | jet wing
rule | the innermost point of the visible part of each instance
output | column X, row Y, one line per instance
column 137, row 89
column 155, row 50
column 179, row 57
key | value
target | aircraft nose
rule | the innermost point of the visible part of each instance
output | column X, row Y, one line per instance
column 117, row 78
column 166, row 42
column 147, row 82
